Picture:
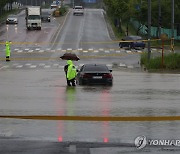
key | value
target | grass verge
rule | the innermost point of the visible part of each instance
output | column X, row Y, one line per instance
column 171, row 62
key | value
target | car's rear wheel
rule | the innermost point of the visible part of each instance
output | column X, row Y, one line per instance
column 120, row 45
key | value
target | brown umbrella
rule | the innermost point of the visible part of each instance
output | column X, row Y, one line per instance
column 70, row 56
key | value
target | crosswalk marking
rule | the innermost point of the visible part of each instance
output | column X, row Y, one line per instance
column 41, row 51
column 42, row 64
column 33, row 66
column 90, row 50
column 47, row 66
column 19, row 66
column 30, row 51
column 55, row 66
column 19, row 51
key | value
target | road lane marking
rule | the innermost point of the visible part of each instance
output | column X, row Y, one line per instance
column 19, row 66
column 94, row 118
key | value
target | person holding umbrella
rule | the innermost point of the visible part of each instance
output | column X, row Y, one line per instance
column 71, row 73
column 69, row 69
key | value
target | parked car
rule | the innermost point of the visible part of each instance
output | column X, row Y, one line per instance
column 136, row 42
column 12, row 19
column 46, row 16
column 94, row 74
column 78, row 10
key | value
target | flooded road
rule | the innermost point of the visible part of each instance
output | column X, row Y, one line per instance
column 44, row 92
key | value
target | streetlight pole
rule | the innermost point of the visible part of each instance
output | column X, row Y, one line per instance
column 172, row 25
column 149, row 29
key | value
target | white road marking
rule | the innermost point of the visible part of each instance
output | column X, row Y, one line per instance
column 101, row 49
column 55, row 64
column 28, row 64
column 96, row 51
column 33, row 66
column 2, row 67
column 118, row 51
column 19, row 51
column 139, row 51
column 37, row 49
column 61, row 66
column 47, row 66
column 106, row 51
column 48, row 49
column 85, row 51
column 26, row 49
column 130, row 66
column 53, row 51
column 30, row 51
column 42, row 64
column 122, row 65
column 109, row 65
column 16, row 49
column 19, row 66
column 128, row 51
column 41, row 51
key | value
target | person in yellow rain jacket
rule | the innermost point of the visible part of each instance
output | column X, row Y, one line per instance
column 8, row 51
column 71, row 74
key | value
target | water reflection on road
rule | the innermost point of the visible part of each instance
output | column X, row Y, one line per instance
column 133, row 94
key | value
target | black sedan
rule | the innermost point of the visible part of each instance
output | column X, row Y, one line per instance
column 46, row 16
column 94, row 74
column 136, row 42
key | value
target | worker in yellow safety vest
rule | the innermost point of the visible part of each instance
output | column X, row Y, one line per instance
column 71, row 73
column 8, row 51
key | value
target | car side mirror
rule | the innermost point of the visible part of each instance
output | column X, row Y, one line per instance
column 110, row 70
column 77, row 70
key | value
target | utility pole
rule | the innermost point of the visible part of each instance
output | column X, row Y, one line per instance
column 149, row 29
column 172, row 25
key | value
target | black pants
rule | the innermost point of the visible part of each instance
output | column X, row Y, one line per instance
column 71, row 82
column 7, row 58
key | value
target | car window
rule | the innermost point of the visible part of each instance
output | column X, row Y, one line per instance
column 95, row 68
column 78, row 7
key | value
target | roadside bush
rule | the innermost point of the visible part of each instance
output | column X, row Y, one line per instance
column 62, row 10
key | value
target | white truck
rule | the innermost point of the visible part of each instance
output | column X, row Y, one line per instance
column 33, row 17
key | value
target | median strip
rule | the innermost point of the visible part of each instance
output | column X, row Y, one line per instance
column 93, row 118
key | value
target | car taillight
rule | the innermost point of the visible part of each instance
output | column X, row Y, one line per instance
column 109, row 75
column 86, row 75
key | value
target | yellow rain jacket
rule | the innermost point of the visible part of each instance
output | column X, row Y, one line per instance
column 71, row 73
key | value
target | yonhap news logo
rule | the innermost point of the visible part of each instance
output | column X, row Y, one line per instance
column 141, row 141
